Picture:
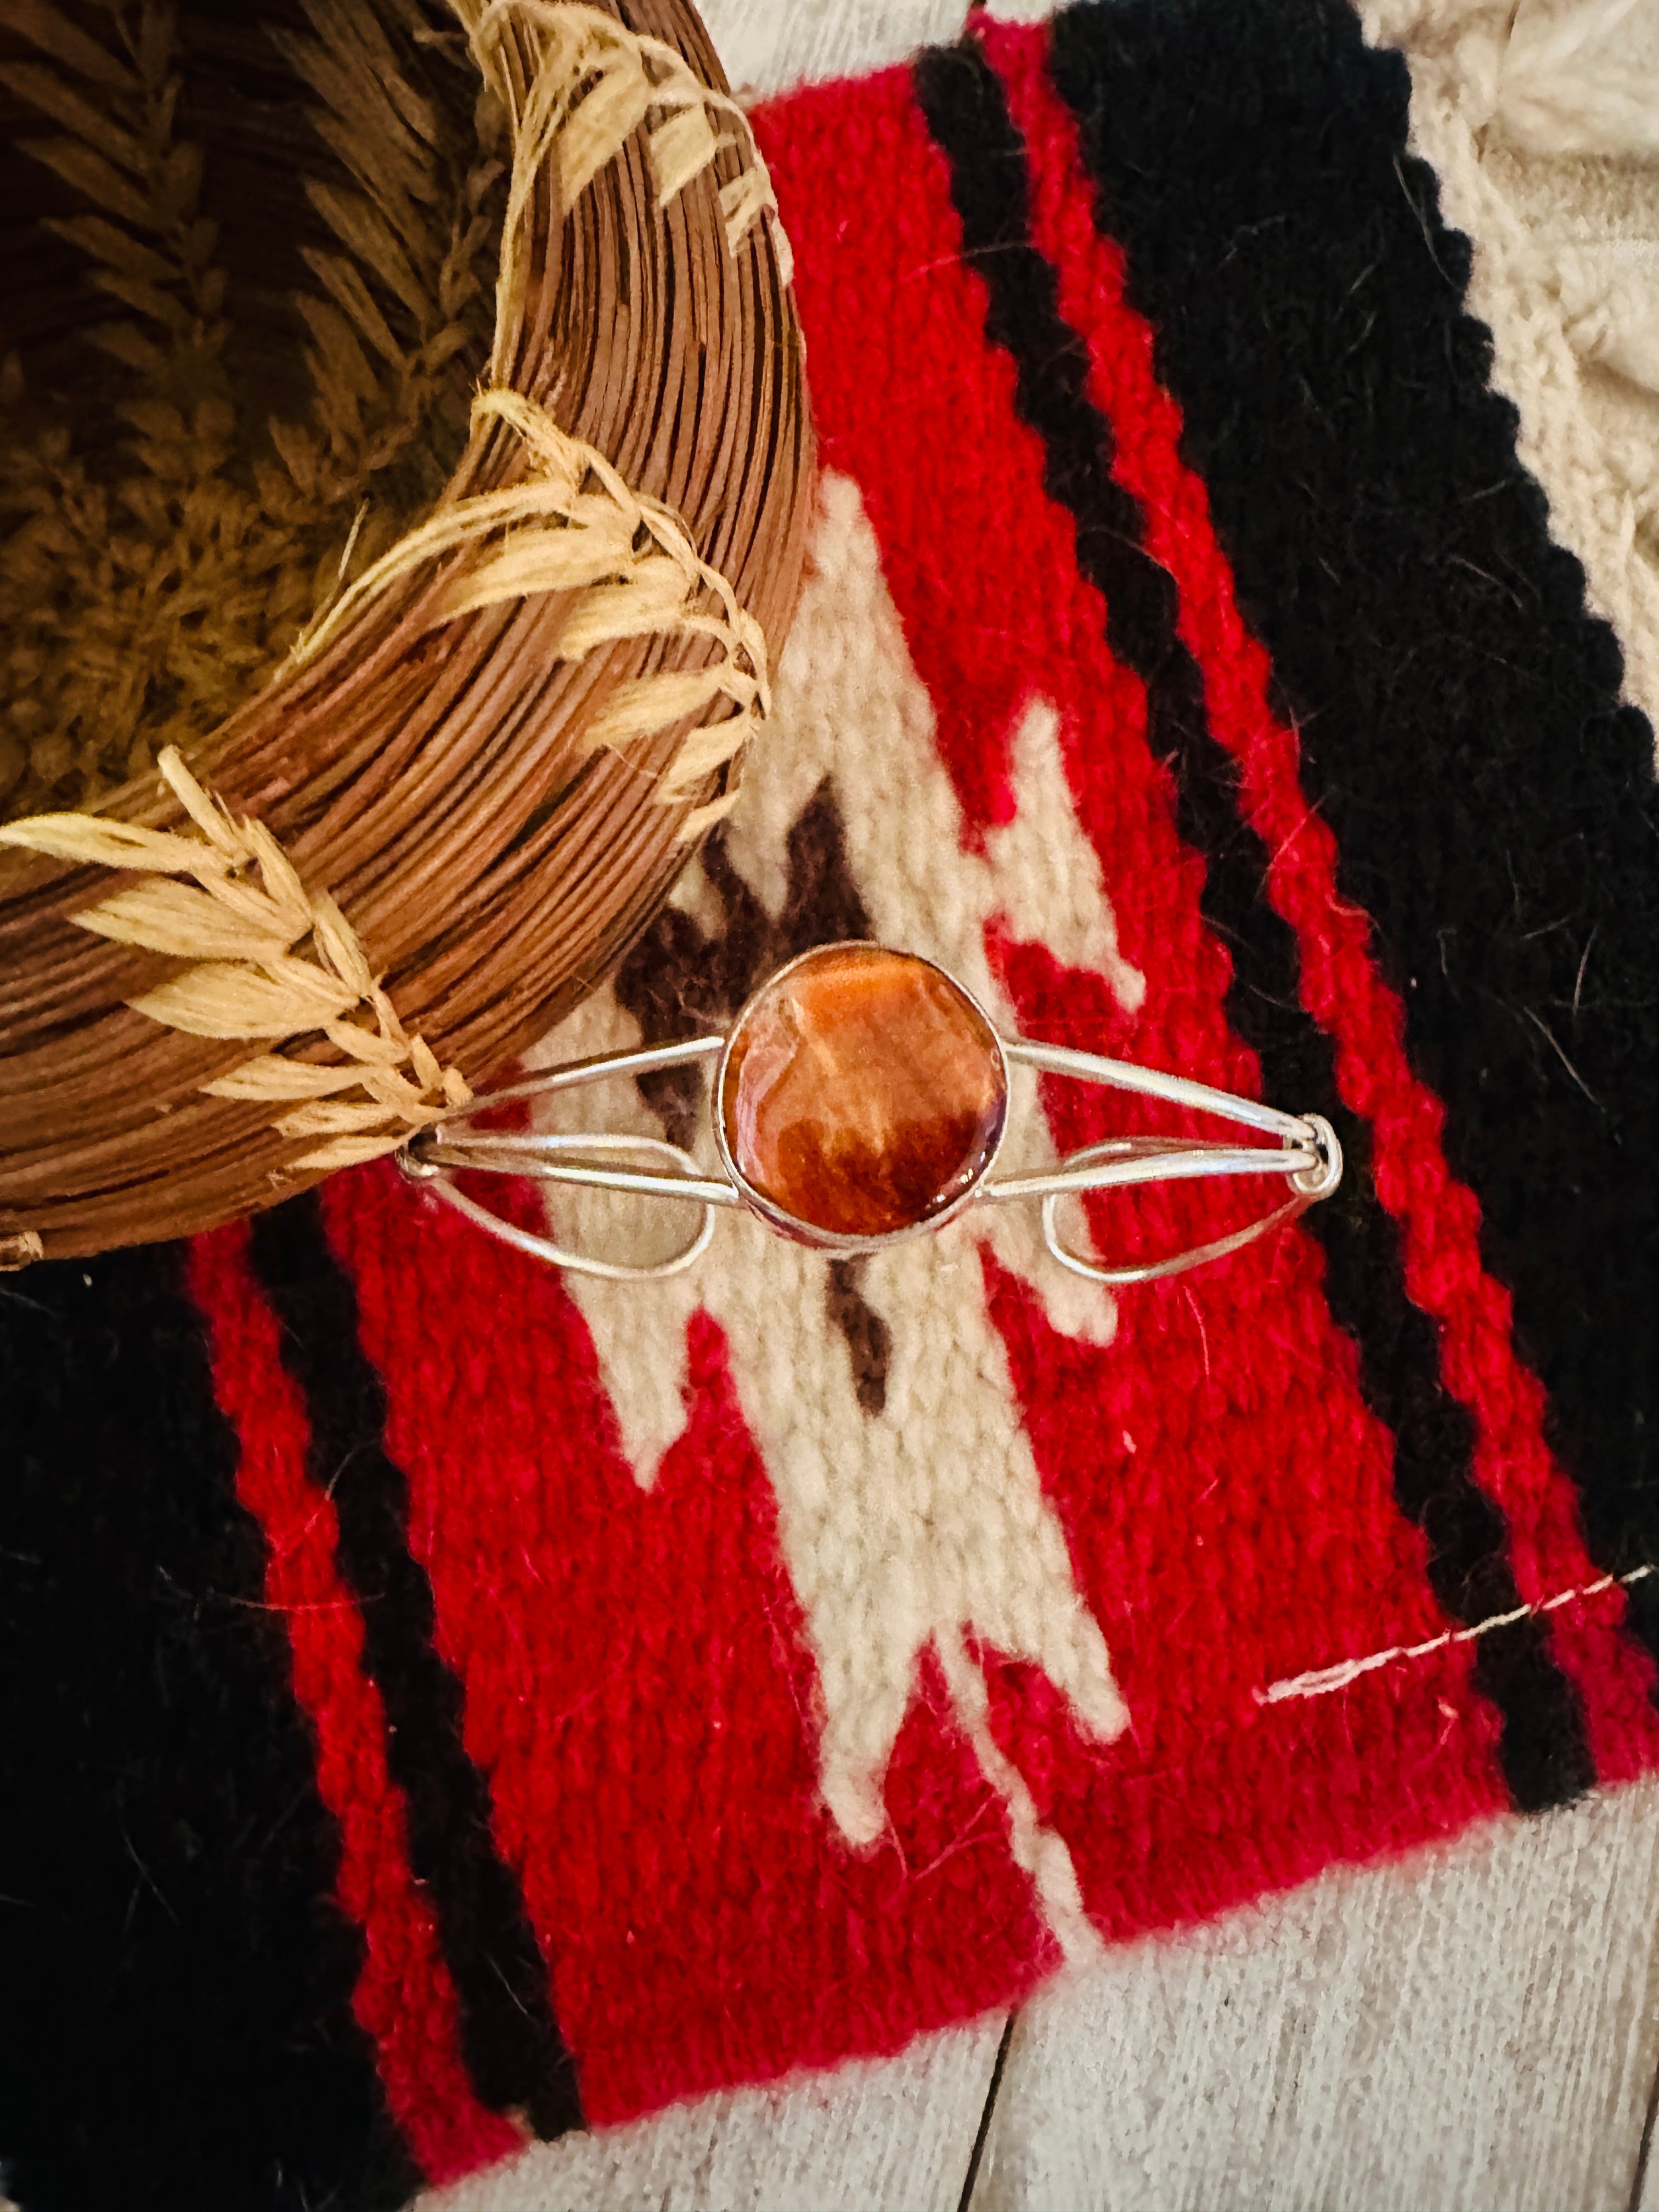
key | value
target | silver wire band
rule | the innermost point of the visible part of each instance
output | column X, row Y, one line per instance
column 571, row 1072
column 428, row 1169
column 1153, row 1083
column 1168, row 1162
column 1307, row 1154
column 529, row 1156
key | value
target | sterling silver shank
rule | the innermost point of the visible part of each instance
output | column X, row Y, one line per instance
column 1306, row 1153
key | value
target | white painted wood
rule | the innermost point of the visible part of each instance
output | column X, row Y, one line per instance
column 898, row 2132
column 1647, row 2180
column 1477, row 2028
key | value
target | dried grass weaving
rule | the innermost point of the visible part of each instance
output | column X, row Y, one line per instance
column 408, row 441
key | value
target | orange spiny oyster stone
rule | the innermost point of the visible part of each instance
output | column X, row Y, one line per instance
column 864, row 1092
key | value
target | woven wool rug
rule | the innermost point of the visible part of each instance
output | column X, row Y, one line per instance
column 446, row 1701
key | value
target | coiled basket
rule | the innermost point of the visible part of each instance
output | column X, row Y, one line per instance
column 408, row 470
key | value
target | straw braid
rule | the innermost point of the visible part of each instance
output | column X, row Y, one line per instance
column 574, row 525
column 595, row 82
column 273, row 960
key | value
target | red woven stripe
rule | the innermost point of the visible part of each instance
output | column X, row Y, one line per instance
column 1439, row 1218
column 639, row 1693
column 404, row 2000
column 1227, row 1494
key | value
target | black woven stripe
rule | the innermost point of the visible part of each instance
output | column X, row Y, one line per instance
column 174, row 1980
column 1544, row 1750
column 509, row 2037
column 1460, row 730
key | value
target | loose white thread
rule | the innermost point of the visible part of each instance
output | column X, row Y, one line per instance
column 1320, row 1681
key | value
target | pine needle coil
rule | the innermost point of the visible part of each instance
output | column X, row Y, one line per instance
column 480, row 765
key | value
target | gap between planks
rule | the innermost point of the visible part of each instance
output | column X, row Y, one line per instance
column 1476, row 2025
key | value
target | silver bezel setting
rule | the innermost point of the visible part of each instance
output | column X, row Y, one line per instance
column 778, row 1217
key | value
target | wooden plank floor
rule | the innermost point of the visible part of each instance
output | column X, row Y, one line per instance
column 1476, row 2029
column 1473, row 2030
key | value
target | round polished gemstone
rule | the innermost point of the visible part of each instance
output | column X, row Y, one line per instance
column 863, row 1093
